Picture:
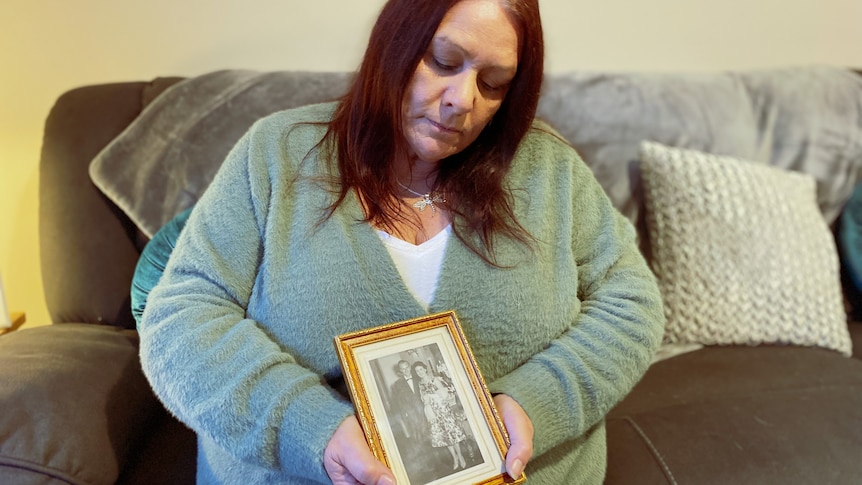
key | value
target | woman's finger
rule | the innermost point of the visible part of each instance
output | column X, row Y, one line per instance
column 520, row 429
column 348, row 460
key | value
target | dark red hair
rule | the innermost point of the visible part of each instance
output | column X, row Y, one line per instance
column 366, row 130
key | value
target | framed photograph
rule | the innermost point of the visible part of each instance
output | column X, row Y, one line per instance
column 423, row 404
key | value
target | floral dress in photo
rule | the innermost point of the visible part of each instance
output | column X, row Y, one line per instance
column 444, row 417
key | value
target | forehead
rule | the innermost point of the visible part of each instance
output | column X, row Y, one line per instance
column 482, row 30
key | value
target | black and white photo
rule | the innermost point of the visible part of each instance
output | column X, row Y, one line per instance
column 423, row 404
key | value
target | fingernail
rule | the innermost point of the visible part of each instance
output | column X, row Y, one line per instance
column 386, row 480
column 517, row 468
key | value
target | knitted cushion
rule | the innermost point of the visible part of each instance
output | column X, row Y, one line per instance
column 741, row 251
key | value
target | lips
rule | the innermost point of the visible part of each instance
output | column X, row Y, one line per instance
column 444, row 129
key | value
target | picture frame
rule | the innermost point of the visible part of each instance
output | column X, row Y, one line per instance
column 439, row 426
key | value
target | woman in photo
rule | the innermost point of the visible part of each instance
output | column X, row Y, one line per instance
column 443, row 418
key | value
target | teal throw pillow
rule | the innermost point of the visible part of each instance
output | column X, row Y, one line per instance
column 152, row 262
column 850, row 237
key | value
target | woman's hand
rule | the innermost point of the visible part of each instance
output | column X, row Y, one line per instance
column 520, row 430
column 349, row 461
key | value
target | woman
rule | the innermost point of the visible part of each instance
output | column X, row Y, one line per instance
column 296, row 241
column 439, row 400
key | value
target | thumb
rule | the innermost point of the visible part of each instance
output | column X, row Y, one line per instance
column 520, row 430
column 348, row 459
column 362, row 464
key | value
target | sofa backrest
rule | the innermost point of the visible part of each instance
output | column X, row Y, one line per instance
column 805, row 119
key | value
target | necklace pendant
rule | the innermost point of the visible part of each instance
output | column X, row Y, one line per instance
column 422, row 204
column 428, row 200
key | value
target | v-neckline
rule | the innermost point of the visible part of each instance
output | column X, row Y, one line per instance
column 444, row 233
column 385, row 275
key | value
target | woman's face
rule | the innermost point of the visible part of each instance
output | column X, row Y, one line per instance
column 421, row 372
column 461, row 81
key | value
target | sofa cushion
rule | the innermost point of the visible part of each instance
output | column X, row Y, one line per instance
column 74, row 404
column 766, row 415
column 741, row 252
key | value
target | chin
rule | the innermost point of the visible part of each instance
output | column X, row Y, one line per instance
column 435, row 154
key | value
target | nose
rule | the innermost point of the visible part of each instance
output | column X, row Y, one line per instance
column 460, row 94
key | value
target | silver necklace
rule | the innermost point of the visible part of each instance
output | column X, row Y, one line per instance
column 427, row 200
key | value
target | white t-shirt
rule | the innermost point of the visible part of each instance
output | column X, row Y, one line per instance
column 420, row 265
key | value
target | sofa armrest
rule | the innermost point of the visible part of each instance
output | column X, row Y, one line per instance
column 88, row 246
column 73, row 404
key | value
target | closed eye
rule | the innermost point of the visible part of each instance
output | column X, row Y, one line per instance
column 494, row 87
column 443, row 65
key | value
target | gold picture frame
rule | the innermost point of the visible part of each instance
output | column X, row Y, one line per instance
column 443, row 428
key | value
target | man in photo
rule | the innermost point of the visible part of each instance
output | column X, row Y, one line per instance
column 408, row 407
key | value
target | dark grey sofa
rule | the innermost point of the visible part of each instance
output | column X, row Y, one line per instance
column 76, row 408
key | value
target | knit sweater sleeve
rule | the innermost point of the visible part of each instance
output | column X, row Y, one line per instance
column 568, row 388
column 215, row 369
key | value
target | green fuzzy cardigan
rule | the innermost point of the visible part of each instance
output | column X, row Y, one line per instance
column 237, row 336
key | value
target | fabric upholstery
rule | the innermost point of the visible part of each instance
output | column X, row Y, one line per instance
column 81, row 401
column 606, row 116
column 741, row 252
column 75, row 218
column 807, row 119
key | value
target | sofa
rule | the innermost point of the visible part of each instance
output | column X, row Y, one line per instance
column 775, row 399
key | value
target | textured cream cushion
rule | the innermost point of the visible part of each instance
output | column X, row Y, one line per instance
column 741, row 251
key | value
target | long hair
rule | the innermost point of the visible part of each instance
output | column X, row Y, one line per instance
column 367, row 135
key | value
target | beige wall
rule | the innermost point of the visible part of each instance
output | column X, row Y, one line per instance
column 47, row 47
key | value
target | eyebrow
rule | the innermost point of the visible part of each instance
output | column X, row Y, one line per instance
column 444, row 41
